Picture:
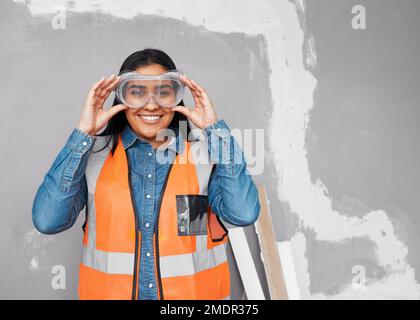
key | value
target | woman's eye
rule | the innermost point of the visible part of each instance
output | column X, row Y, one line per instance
column 165, row 93
column 137, row 93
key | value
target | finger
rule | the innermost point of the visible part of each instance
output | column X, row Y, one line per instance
column 188, row 82
column 109, row 80
column 115, row 109
column 197, row 101
column 97, row 84
column 196, row 96
column 104, row 85
column 106, row 82
column 98, row 103
column 108, row 89
column 199, row 94
column 183, row 78
column 101, row 97
column 195, row 93
column 94, row 87
column 199, row 88
column 200, row 98
column 185, row 111
column 203, row 97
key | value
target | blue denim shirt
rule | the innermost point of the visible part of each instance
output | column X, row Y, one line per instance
column 232, row 193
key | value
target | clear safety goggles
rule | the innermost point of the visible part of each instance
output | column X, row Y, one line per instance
column 135, row 90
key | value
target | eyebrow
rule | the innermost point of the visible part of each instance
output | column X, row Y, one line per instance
column 139, row 86
column 165, row 86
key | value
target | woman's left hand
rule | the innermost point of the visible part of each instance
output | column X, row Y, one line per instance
column 203, row 113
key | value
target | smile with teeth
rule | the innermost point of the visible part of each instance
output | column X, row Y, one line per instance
column 150, row 118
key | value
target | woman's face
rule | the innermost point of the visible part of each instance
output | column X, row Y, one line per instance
column 137, row 118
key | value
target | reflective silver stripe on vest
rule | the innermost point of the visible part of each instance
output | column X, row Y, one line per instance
column 201, row 242
column 191, row 263
column 93, row 168
column 108, row 262
column 91, row 221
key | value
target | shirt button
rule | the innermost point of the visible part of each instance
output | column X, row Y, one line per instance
column 147, row 225
column 148, row 196
column 150, row 153
column 150, row 285
column 84, row 143
column 149, row 175
column 148, row 254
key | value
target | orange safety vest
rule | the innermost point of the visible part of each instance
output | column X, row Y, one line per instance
column 189, row 240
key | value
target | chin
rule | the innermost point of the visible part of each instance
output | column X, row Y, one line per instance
column 149, row 134
column 148, row 131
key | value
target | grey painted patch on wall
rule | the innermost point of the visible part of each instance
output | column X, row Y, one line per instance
column 363, row 132
column 332, row 264
column 48, row 73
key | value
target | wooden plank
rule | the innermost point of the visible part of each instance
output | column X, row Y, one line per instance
column 245, row 264
column 269, row 250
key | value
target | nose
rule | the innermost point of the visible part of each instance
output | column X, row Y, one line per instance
column 151, row 104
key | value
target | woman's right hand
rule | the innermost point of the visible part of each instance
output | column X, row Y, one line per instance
column 94, row 116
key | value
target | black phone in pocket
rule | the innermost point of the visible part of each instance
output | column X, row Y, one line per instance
column 192, row 212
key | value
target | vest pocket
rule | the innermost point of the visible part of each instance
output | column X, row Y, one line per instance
column 192, row 214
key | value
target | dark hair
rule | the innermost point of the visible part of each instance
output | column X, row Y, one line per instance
column 138, row 59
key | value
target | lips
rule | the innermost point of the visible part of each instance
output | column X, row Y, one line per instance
column 151, row 118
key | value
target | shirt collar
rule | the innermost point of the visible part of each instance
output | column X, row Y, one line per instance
column 129, row 137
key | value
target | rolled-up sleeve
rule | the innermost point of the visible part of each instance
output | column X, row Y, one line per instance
column 232, row 193
column 63, row 192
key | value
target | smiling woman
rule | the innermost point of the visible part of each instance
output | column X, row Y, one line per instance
column 153, row 229
column 148, row 62
column 150, row 118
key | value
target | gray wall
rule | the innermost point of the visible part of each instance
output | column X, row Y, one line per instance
column 338, row 107
column 361, row 143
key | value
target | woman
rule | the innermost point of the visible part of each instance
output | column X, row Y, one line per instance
column 152, row 228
